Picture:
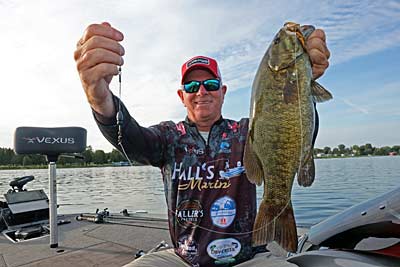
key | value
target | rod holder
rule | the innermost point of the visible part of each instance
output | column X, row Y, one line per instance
column 53, row 205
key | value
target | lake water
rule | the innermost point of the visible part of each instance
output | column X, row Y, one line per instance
column 339, row 184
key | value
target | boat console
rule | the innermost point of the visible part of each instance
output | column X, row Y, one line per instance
column 24, row 213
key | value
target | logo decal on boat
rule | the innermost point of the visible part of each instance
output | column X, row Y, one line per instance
column 49, row 140
column 223, row 248
column 189, row 213
column 223, row 212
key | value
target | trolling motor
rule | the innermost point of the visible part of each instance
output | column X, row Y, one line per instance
column 17, row 184
column 51, row 142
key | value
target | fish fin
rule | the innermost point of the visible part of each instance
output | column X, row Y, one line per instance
column 319, row 93
column 306, row 173
column 252, row 164
column 275, row 222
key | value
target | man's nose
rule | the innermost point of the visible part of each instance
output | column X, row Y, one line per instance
column 202, row 90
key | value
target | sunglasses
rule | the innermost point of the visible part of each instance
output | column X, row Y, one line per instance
column 209, row 85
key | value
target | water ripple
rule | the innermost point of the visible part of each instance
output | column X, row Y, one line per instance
column 339, row 184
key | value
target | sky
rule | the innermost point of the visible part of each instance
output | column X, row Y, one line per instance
column 41, row 87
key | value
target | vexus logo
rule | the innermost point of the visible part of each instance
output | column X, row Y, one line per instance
column 49, row 140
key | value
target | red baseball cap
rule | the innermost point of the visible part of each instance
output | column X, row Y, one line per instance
column 201, row 62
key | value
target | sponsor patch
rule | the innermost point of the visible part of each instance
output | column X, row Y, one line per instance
column 198, row 60
column 223, row 212
column 234, row 127
column 224, row 147
column 187, row 247
column 223, row 248
column 189, row 213
column 228, row 173
column 180, row 127
column 191, row 149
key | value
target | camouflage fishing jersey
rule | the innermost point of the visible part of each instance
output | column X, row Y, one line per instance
column 211, row 204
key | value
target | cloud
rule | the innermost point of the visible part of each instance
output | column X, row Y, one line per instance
column 42, row 87
column 354, row 106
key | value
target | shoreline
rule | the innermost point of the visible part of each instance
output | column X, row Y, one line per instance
column 69, row 166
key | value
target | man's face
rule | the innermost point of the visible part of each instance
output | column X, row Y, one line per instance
column 203, row 107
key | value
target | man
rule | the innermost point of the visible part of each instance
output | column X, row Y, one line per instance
column 211, row 204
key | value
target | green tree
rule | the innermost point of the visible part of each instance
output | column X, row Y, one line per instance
column 26, row 160
column 369, row 149
column 115, row 156
column 362, row 150
column 88, row 155
column 356, row 150
column 17, row 160
column 327, row 150
column 395, row 149
column 342, row 148
column 382, row 151
column 99, row 157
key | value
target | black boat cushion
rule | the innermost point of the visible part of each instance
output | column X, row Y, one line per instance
column 49, row 141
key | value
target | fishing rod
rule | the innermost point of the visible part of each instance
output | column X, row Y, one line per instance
column 105, row 217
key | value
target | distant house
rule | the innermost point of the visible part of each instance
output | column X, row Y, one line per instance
column 392, row 154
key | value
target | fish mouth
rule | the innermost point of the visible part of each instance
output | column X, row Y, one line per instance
column 291, row 27
column 302, row 32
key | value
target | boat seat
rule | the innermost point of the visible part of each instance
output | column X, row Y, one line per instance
column 49, row 141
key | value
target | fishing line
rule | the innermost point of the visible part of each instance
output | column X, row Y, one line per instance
column 120, row 117
column 299, row 104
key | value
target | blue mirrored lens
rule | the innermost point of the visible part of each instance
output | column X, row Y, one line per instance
column 191, row 87
column 209, row 85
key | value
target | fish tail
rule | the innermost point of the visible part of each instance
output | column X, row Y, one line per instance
column 275, row 222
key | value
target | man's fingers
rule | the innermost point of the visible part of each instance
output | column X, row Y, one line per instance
column 318, row 52
column 318, row 33
column 104, row 30
column 317, row 57
column 317, row 40
column 319, row 69
column 91, row 77
column 99, row 42
column 317, row 43
column 98, row 56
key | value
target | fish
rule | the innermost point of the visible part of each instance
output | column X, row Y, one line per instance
column 282, row 131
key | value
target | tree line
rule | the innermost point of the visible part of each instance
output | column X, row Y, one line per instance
column 355, row 150
column 99, row 157
column 90, row 157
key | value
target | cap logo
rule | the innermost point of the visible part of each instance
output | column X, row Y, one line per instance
column 198, row 60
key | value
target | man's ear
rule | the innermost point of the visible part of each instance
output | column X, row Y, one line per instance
column 223, row 90
column 181, row 96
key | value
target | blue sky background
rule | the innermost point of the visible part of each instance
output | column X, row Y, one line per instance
column 40, row 85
